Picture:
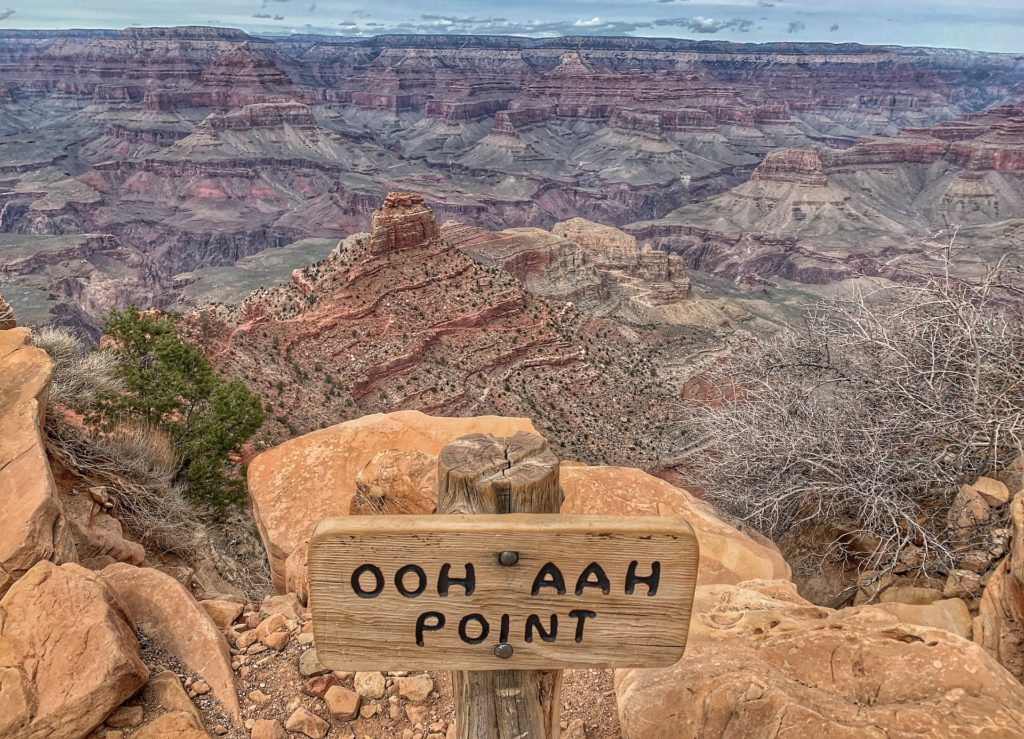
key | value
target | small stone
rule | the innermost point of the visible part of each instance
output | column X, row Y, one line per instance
column 251, row 619
column 114, row 734
column 342, row 702
column 394, row 712
column 576, row 730
column 266, row 729
column 309, row 665
column 304, row 638
column 415, row 688
column 200, row 687
column 249, row 723
column 222, row 612
column 968, row 511
column 435, row 736
column 962, row 584
column 416, row 714
column 287, row 605
column 244, row 671
column 220, row 730
column 125, row 717
column 407, row 734
column 277, row 640
column 370, row 684
column 319, row 685
column 369, row 710
column 306, row 722
column 993, row 491
column 343, row 675
column 975, row 561
column 246, row 639
column 256, row 649
column 270, row 625
column 259, row 697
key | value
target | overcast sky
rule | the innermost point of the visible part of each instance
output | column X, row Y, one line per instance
column 989, row 25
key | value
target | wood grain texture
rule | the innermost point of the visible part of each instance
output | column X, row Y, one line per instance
column 488, row 475
column 629, row 630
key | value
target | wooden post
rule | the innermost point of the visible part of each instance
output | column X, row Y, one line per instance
column 487, row 474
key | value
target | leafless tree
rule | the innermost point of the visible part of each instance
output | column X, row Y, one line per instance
column 863, row 420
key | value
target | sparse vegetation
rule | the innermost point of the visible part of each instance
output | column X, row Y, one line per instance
column 169, row 385
column 864, row 420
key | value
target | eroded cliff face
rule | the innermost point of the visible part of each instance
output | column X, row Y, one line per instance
column 876, row 208
column 192, row 148
column 401, row 318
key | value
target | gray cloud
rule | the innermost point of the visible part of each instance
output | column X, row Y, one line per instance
column 596, row 26
column 834, row 27
column 434, row 23
column 5, row 13
column 700, row 24
column 795, row 27
column 262, row 15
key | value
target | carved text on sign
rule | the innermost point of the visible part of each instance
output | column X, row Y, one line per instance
column 514, row 591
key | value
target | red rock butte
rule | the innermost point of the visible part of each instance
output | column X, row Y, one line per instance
column 403, row 221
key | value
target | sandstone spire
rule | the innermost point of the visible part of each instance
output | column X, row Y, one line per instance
column 6, row 315
column 401, row 222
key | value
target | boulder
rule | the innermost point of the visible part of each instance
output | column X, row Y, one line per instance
column 726, row 555
column 169, row 615
column 950, row 614
column 173, row 725
column 68, row 654
column 999, row 626
column 30, row 515
column 994, row 492
column 98, row 536
column 910, row 594
column 295, row 485
column 962, row 584
column 222, row 612
column 968, row 511
column 164, row 689
column 763, row 662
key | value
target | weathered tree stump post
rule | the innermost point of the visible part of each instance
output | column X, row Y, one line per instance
column 487, row 474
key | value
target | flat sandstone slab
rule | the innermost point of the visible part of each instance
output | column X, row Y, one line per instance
column 429, row 592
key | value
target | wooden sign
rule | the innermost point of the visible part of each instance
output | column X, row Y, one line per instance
column 501, row 592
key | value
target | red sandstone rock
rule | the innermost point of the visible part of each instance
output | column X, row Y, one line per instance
column 171, row 617
column 402, row 222
column 68, row 654
column 33, row 526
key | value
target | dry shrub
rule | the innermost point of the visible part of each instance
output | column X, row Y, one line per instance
column 862, row 422
column 80, row 377
column 137, row 466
